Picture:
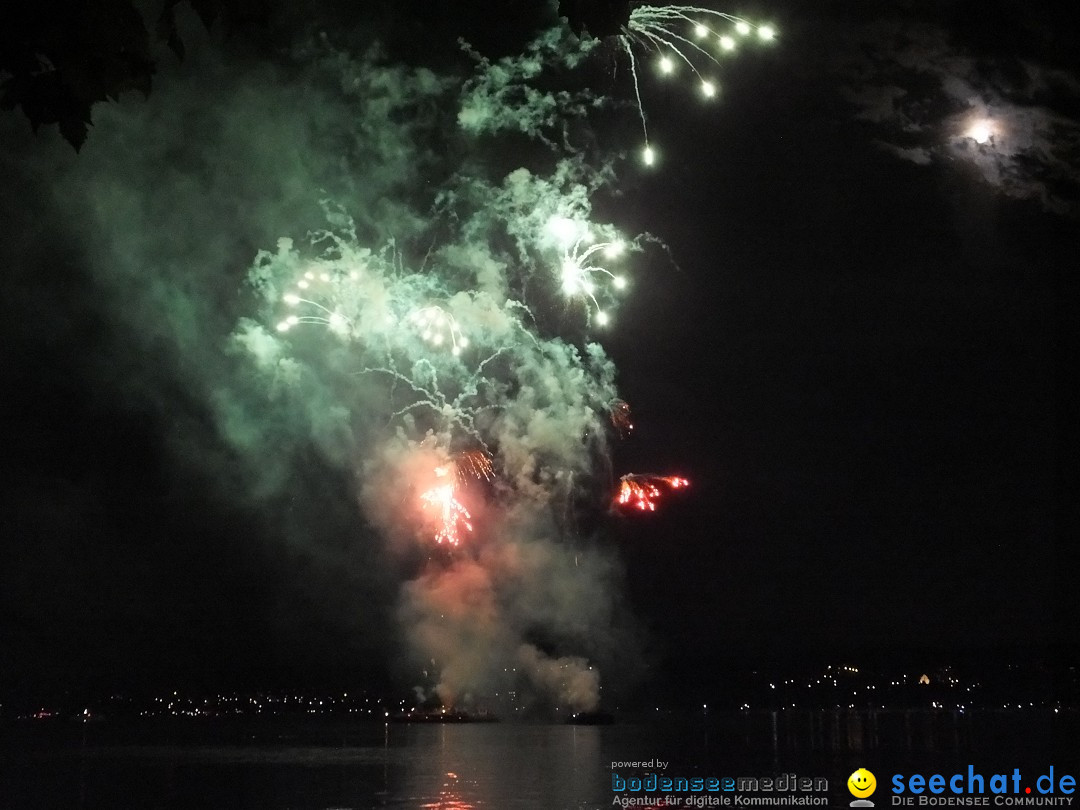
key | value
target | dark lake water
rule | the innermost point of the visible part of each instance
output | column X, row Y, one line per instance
column 325, row 763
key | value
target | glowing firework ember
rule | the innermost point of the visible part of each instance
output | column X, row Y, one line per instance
column 439, row 328
column 642, row 491
column 304, row 300
column 686, row 36
column 342, row 290
column 453, row 516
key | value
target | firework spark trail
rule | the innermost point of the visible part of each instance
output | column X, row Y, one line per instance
column 475, row 464
column 647, row 152
column 621, row 419
column 657, row 29
column 578, row 263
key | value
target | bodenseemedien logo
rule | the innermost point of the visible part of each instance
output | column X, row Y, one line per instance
column 660, row 790
column 862, row 785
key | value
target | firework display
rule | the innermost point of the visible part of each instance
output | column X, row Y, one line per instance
column 452, row 358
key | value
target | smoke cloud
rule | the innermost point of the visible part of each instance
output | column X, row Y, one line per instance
column 328, row 258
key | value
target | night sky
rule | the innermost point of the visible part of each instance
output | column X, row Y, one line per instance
column 855, row 346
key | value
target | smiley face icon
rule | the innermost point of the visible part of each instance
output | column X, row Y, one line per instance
column 861, row 783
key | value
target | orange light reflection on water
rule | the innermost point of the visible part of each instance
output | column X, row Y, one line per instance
column 449, row 797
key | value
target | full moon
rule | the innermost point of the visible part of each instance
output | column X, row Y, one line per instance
column 981, row 131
